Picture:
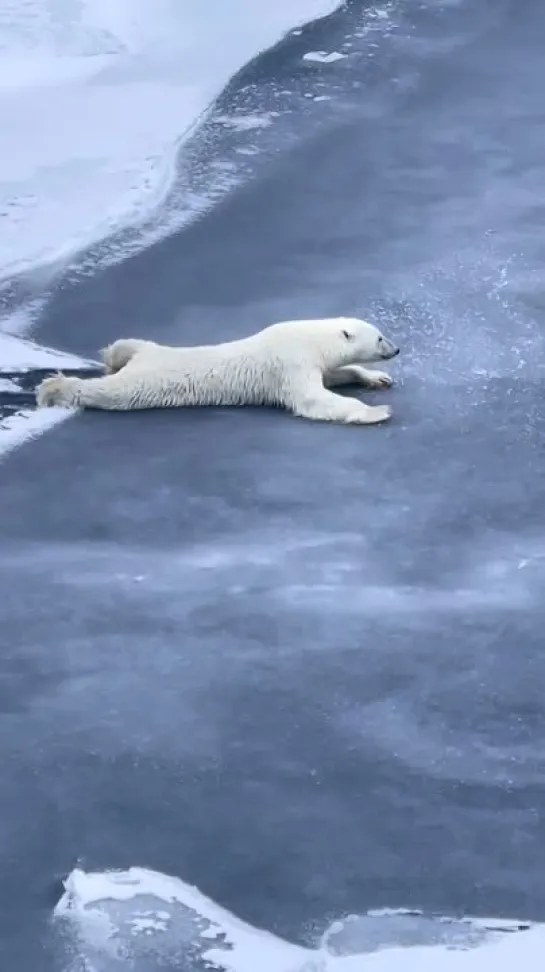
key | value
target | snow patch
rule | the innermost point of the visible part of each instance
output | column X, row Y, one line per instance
column 123, row 913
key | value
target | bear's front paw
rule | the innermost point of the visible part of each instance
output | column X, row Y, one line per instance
column 368, row 415
column 378, row 379
column 379, row 413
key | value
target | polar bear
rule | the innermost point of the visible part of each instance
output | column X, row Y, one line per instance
column 292, row 365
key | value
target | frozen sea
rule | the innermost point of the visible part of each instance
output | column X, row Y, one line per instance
column 272, row 694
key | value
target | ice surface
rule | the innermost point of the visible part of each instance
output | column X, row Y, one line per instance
column 124, row 914
column 434, row 720
column 28, row 424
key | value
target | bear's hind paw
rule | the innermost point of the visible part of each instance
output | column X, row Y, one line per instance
column 56, row 390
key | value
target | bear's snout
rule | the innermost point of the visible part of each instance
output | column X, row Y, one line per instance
column 389, row 350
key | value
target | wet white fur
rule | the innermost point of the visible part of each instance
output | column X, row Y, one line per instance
column 293, row 365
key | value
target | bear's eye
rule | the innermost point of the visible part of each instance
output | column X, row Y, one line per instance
column 381, row 340
column 348, row 335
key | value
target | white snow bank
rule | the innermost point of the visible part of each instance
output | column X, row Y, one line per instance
column 115, row 913
column 94, row 98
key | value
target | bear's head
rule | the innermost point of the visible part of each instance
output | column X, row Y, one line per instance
column 349, row 340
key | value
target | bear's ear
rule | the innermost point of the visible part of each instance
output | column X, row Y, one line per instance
column 347, row 335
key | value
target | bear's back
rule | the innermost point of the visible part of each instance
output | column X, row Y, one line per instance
column 233, row 373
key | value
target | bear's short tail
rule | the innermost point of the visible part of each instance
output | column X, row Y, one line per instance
column 115, row 356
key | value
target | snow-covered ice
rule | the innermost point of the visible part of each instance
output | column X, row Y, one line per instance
column 121, row 914
column 95, row 97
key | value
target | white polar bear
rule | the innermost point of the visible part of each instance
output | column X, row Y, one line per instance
column 293, row 365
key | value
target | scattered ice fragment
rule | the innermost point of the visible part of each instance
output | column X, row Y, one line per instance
column 323, row 57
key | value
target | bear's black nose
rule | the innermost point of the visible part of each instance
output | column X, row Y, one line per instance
column 395, row 352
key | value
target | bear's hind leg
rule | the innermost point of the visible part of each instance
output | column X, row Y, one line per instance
column 357, row 375
column 108, row 393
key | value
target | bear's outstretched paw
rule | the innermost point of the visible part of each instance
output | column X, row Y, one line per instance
column 369, row 415
column 377, row 379
column 357, row 375
column 57, row 390
column 321, row 405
